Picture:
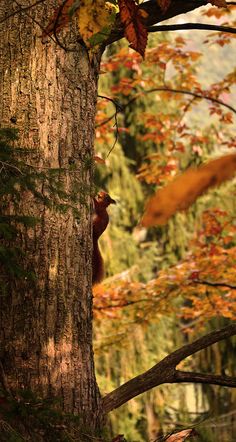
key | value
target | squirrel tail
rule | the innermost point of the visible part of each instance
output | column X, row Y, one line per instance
column 98, row 266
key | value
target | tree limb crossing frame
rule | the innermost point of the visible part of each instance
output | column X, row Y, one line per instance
column 165, row 372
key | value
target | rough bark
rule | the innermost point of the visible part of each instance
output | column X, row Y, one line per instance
column 46, row 326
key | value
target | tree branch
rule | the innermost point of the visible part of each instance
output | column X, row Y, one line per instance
column 155, row 15
column 204, row 378
column 186, row 26
column 185, row 92
column 174, row 91
column 215, row 284
column 165, row 371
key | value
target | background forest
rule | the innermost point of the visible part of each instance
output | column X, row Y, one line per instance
column 167, row 283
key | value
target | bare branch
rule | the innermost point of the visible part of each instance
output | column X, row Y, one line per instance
column 118, row 109
column 185, row 92
column 202, row 96
column 204, row 378
column 186, row 26
column 215, row 284
column 116, row 103
column 165, row 371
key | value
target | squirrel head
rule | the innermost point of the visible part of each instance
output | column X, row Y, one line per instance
column 104, row 199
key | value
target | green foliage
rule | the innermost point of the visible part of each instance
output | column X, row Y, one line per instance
column 19, row 180
column 32, row 415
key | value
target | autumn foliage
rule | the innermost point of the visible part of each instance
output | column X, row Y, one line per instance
column 95, row 20
column 186, row 188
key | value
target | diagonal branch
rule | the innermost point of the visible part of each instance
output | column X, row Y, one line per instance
column 165, row 371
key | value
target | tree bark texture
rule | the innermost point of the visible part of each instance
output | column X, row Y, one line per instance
column 46, row 326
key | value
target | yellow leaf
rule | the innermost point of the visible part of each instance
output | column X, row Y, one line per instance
column 186, row 188
column 93, row 16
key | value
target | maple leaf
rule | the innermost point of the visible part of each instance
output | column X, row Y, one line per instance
column 132, row 18
column 186, row 188
column 164, row 4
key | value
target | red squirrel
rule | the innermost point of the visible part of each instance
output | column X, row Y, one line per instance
column 100, row 222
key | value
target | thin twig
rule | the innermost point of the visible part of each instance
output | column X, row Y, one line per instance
column 174, row 91
column 116, row 103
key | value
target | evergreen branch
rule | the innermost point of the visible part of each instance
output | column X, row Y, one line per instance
column 186, row 26
column 10, row 166
column 165, row 371
column 215, row 284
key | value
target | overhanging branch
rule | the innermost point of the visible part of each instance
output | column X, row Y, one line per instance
column 165, row 372
column 171, row 90
column 185, row 92
column 155, row 15
column 186, row 26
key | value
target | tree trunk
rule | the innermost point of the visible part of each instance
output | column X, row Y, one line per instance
column 46, row 326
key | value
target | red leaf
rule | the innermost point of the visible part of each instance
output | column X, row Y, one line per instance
column 132, row 18
column 59, row 19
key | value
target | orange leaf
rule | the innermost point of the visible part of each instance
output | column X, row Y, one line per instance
column 132, row 18
column 186, row 188
column 59, row 19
